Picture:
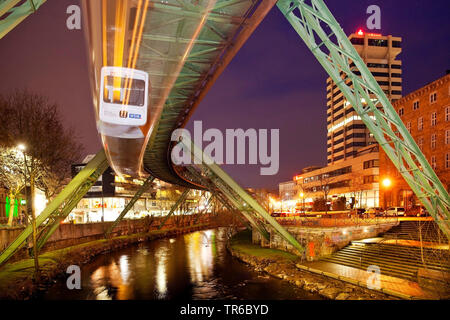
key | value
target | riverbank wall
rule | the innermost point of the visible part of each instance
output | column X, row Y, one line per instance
column 18, row 282
column 69, row 234
column 283, row 265
column 320, row 242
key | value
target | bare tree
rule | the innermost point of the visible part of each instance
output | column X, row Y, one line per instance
column 31, row 120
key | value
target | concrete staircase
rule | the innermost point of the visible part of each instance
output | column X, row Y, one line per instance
column 395, row 260
column 411, row 230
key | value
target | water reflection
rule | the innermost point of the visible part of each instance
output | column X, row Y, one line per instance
column 193, row 266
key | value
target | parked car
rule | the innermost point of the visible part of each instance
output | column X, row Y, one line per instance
column 377, row 211
column 395, row 211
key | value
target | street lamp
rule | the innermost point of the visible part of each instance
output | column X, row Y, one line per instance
column 387, row 182
column 22, row 148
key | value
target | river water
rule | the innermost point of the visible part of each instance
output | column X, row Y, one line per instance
column 191, row 266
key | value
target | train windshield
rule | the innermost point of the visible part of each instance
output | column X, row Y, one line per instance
column 126, row 91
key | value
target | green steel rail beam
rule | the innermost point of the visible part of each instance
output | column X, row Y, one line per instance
column 16, row 14
column 323, row 35
column 207, row 162
column 147, row 184
column 79, row 185
column 174, row 207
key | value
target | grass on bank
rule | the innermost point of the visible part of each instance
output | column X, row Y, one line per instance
column 242, row 242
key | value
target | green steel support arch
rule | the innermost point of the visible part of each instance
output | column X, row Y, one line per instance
column 147, row 184
column 231, row 209
column 208, row 202
column 208, row 163
column 17, row 13
column 228, row 196
column 174, row 207
column 318, row 28
column 77, row 188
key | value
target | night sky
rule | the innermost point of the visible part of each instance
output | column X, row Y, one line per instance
column 273, row 82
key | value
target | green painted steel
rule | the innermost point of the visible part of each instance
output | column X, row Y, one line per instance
column 214, row 184
column 318, row 28
column 147, row 184
column 16, row 13
column 174, row 207
column 226, row 28
column 79, row 186
column 248, row 200
column 208, row 202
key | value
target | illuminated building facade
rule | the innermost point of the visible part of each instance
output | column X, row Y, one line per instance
column 426, row 114
column 346, row 131
column 356, row 179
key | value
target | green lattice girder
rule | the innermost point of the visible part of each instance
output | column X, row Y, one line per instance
column 145, row 186
column 227, row 185
column 64, row 202
column 318, row 28
column 16, row 13
column 226, row 29
column 174, row 207
column 226, row 197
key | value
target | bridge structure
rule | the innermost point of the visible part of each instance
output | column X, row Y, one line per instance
column 185, row 46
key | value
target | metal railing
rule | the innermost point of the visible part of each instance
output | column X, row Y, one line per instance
column 332, row 222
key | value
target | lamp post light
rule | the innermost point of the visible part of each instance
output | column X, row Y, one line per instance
column 387, row 182
column 22, row 148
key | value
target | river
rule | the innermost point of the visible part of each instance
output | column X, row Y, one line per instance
column 191, row 266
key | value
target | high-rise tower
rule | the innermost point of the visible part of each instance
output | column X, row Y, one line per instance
column 346, row 131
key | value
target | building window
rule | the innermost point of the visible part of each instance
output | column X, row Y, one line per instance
column 447, row 161
column 433, row 162
column 401, row 112
column 447, row 136
column 370, row 179
column 420, row 123
column 375, row 163
column 433, row 97
column 416, row 105
column 433, row 141
column 420, row 143
column 408, row 126
column 447, row 114
column 433, row 118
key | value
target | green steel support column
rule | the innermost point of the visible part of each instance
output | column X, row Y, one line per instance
column 233, row 185
column 206, row 208
column 147, row 183
column 212, row 185
column 79, row 185
column 17, row 14
column 230, row 208
column 318, row 28
column 174, row 207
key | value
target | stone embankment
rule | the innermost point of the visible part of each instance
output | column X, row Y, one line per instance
column 282, row 265
column 17, row 280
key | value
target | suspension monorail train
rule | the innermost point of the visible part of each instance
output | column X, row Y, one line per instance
column 123, row 96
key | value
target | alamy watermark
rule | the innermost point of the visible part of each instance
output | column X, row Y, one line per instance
column 374, row 20
column 236, row 142
column 74, row 280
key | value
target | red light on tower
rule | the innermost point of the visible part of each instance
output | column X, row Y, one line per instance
column 360, row 32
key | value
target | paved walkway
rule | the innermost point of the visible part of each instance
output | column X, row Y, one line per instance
column 388, row 283
column 404, row 242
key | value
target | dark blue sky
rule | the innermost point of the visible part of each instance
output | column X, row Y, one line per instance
column 273, row 82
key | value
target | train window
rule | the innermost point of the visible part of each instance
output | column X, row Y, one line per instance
column 127, row 91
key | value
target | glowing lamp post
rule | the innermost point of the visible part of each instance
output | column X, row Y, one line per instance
column 387, row 182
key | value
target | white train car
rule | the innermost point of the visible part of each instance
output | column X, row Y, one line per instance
column 124, row 96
